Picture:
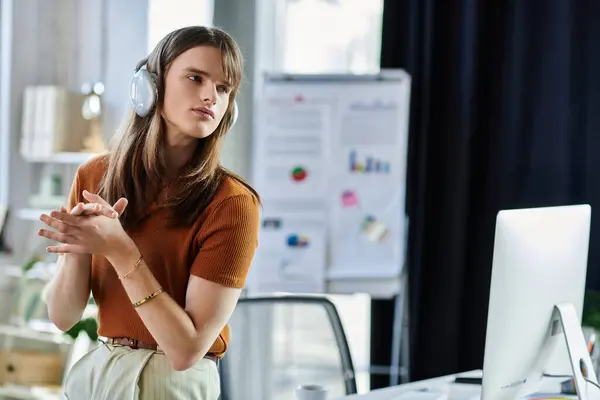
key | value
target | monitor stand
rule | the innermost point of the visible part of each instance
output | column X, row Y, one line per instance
column 579, row 356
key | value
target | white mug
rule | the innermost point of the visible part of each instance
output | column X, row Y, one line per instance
column 311, row 392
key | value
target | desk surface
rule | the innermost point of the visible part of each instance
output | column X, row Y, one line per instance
column 443, row 385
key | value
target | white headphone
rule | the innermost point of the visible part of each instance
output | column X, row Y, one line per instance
column 143, row 93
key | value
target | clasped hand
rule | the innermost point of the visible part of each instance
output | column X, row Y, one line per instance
column 92, row 228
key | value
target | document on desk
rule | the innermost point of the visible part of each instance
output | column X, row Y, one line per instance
column 420, row 395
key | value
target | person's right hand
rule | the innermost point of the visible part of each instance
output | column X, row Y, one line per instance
column 94, row 209
column 98, row 209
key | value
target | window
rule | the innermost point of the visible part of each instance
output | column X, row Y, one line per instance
column 324, row 37
column 5, row 98
column 165, row 16
column 329, row 36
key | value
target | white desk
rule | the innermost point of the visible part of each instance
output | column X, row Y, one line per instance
column 444, row 385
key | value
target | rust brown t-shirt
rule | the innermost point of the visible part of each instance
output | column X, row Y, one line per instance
column 218, row 247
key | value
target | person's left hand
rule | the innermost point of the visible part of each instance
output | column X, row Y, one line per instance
column 85, row 234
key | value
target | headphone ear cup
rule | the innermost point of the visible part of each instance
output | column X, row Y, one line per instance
column 143, row 92
column 235, row 113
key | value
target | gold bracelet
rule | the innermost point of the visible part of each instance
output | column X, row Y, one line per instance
column 137, row 264
column 147, row 298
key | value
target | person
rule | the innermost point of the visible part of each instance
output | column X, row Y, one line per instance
column 160, row 233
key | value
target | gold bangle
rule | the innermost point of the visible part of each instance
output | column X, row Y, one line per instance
column 137, row 264
column 147, row 298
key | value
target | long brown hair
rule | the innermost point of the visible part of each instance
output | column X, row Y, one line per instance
column 136, row 167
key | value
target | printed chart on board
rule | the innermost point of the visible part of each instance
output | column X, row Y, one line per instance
column 329, row 162
column 368, row 169
column 290, row 162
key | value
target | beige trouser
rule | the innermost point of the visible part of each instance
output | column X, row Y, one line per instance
column 111, row 372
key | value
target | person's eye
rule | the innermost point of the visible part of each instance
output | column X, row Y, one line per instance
column 223, row 89
column 195, row 78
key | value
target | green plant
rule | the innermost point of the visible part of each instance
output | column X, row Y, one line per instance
column 30, row 263
column 591, row 310
column 88, row 325
column 34, row 301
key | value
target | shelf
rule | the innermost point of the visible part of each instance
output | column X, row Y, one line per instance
column 62, row 158
column 31, row 214
column 21, row 393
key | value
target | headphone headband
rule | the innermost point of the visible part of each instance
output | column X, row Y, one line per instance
column 142, row 63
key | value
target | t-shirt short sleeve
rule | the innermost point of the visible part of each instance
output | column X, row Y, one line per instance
column 75, row 195
column 87, row 177
column 228, row 241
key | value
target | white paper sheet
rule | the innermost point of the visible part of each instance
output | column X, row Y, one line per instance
column 291, row 256
column 367, row 194
column 292, row 147
column 290, row 175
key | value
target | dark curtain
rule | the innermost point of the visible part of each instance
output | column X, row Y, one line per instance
column 505, row 113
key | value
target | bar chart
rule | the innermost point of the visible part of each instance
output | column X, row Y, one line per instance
column 367, row 165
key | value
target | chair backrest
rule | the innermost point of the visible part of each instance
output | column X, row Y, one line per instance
column 280, row 342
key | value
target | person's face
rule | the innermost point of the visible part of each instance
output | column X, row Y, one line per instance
column 196, row 94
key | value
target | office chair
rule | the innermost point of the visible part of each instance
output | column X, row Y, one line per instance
column 279, row 342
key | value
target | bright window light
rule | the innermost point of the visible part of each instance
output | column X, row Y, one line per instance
column 165, row 16
column 330, row 36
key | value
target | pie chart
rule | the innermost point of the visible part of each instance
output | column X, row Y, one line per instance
column 299, row 174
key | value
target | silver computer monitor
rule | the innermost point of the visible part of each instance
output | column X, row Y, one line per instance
column 536, row 300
